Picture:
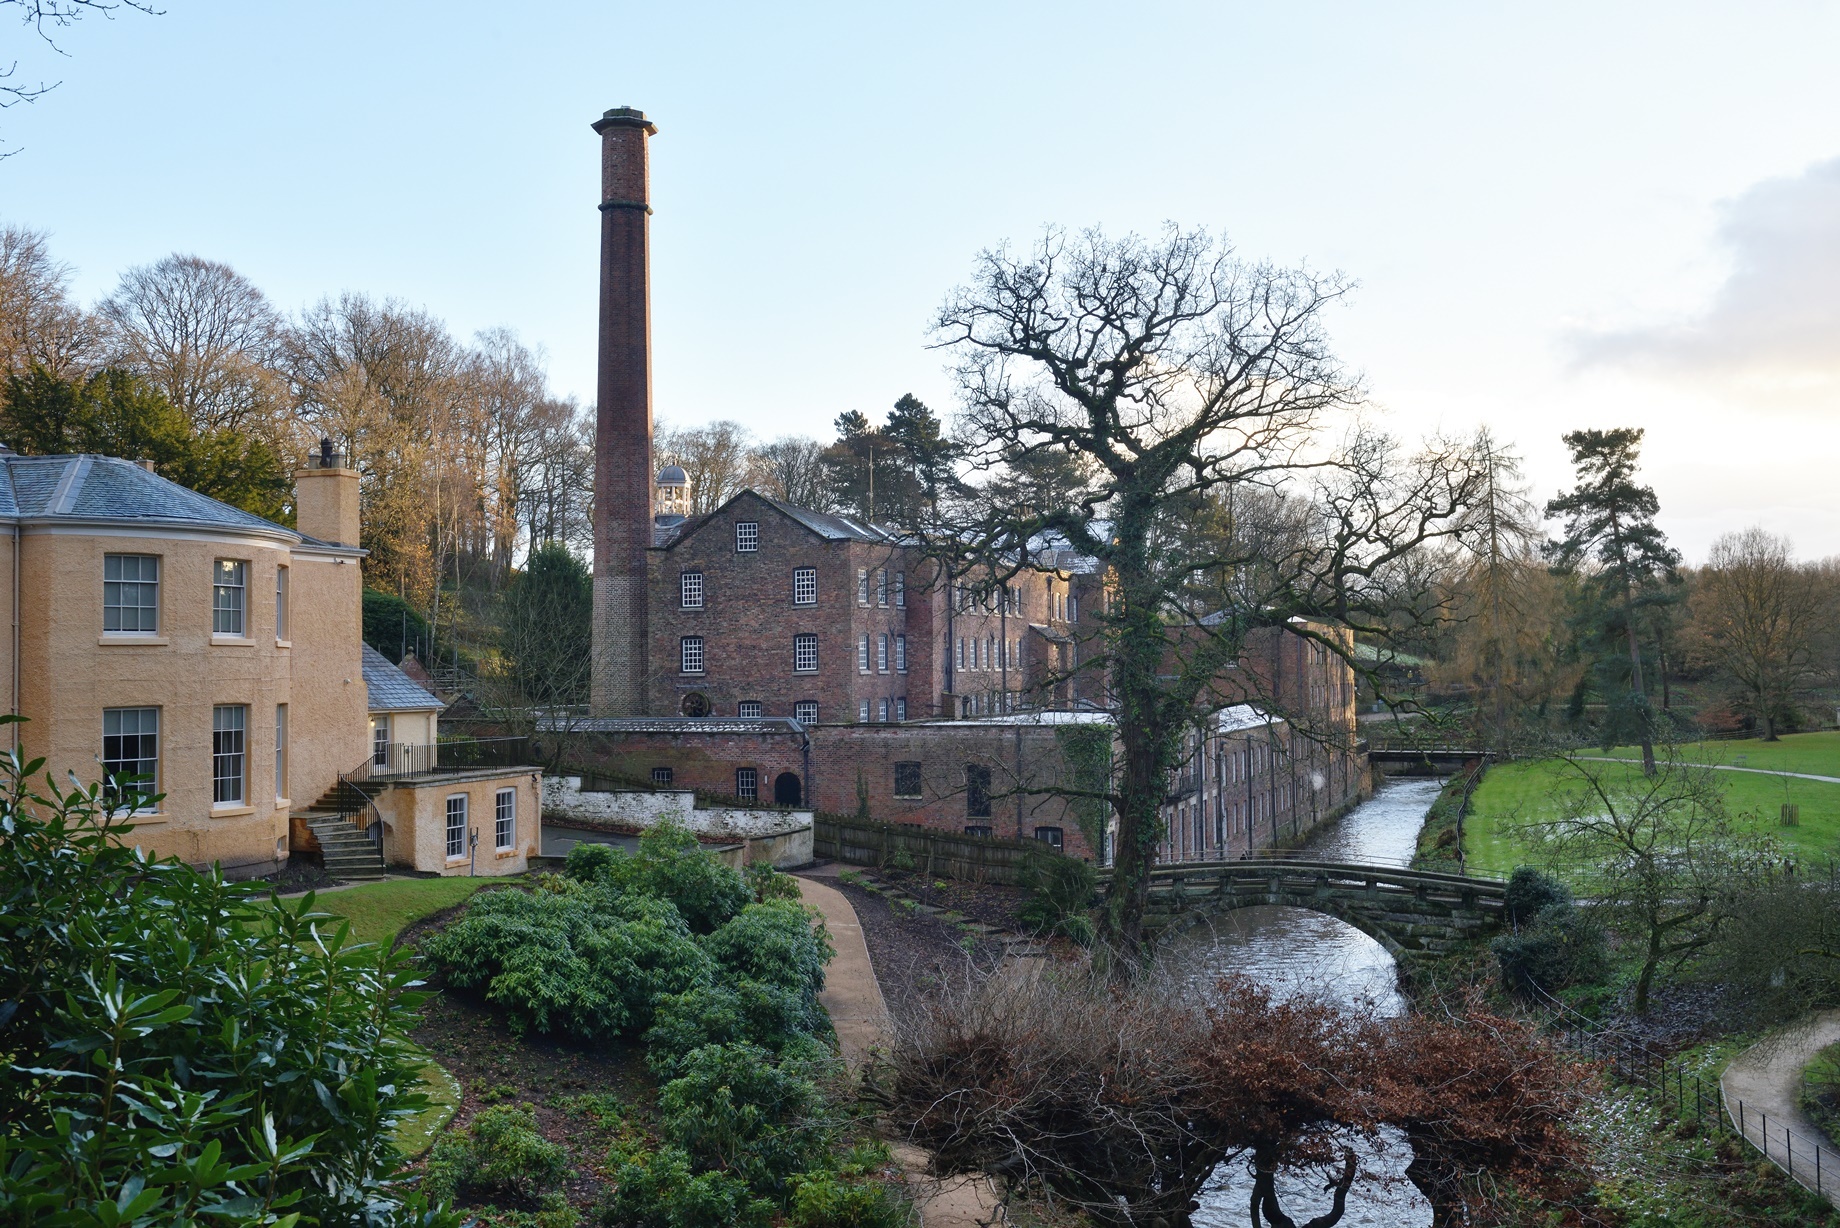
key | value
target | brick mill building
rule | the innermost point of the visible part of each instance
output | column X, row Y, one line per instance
column 778, row 654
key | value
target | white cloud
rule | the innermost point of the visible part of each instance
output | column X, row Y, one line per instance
column 1771, row 331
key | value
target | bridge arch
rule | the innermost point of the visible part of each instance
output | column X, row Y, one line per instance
column 1355, row 918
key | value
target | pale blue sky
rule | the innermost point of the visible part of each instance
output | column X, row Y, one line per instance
column 1560, row 215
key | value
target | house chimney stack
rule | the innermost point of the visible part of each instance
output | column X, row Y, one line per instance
column 326, row 497
column 623, row 418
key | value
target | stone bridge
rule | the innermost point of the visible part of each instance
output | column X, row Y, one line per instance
column 1404, row 910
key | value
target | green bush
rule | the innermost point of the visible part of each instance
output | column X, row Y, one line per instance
column 740, row 1011
column 777, row 943
column 588, row 861
column 501, row 1153
column 768, row 883
column 1061, row 891
column 1531, row 892
column 829, row 1200
column 1559, row 948
column 672, row 866
column 732, row 1107
column 180, row 1049
column 659, row 1189
column 584, row 959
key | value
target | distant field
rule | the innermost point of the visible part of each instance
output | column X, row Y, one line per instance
column 1524, row 790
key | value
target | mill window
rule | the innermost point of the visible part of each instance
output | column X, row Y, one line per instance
column 131, row 593
column 977, row 791
column 881, row 711
column 980, row 830
column 749, row 709
column 862, row 653
column 804, row 586
column 804, row 654
column 907, row 780
column 900, row 590
column 690, row 654
column 747, row 784
column 862, row 712
column 805, row 712
column 881, row 587
column 747, row 536
column 690, row 590
column 881, row 653
column 662, row 776
column 1050, row 836
column 900, row 654
column 900, row 708
column 862, row 586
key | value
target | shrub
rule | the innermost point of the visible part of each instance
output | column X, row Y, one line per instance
column 769, row 884
column 777, row 943
column 587, row 961
column 740, row 1011
column 588, row 862
column 847, row 1196
column 502, row 1153
column 1560, row 947
column 657, row 1189
column 733, row 1108
column 1061, row 891
column 261, row 1056
column 1531, row 892
column 672, row 866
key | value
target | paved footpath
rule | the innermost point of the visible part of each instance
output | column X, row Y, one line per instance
column 1765, row 1079
column 1729, row 767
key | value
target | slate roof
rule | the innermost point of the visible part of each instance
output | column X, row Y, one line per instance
column 390, row 689
column 106, row 488
column 668, row 529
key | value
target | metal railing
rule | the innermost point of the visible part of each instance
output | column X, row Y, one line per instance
column 397, row 760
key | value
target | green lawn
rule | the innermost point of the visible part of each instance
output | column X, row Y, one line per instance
column 1513, row 791
column 379, row 911
column 1818, row 753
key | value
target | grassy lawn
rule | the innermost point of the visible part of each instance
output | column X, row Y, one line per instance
column 379, row 911
column 1818, row 753
column 1513, row 791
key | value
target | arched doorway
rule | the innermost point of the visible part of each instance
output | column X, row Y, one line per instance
column 787, row 791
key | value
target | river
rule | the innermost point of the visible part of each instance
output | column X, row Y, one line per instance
column 1297, row 952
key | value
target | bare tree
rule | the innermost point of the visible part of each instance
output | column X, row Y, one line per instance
column 45, row 16
column 512, row 388
column 714, row 455
column 1164, row 382
column 1757, row 617
column 38, row 322
column 792, row 470
column 204, row 335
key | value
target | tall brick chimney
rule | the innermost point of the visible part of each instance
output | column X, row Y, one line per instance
column 623, row 422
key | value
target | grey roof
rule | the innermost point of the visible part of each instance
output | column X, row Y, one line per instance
column 106, row 488
column 390, row 689
column 673, row 475
column 694, row 725
column 837, row 528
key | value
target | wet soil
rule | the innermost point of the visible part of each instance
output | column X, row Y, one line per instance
column 913, row 952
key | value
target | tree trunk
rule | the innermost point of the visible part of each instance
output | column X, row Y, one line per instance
column 1651, row 962
column 1635, row 683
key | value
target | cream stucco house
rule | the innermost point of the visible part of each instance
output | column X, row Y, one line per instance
column 215, row 656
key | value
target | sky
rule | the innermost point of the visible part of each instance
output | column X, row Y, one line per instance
column 1558, row 216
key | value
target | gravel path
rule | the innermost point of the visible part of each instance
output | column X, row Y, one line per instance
column 1764, row 1078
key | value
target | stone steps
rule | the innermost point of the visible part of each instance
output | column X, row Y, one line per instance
column 346, row 850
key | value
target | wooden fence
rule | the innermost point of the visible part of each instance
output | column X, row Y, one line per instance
column 937, row 854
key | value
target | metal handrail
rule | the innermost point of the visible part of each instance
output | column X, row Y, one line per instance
column 405, row 759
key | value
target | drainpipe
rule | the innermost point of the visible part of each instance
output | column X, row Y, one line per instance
column 15, row 708
column 805, row 765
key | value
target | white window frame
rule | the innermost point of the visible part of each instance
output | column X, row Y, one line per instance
column 862, row 586
column 805, row 712
column 881, row 653
column 662, row 776
column 380, row 740
column 230, row 597
column 862, row 712
column 690, row 590
column 504, row 820
column 881, row 711
column 804, row 586
column 456, row 834
column 747, row 536
column 900, row 707
column 281, row 752
column 881, row 587
column 862, row 653
column 900, row 590
column 229, row 754
column 690, row 655
column 801, row 642
column 900, row 654
column 281, row 603
column 141, row 715
column 750, row 709
column 139, row 585
column 747, row 784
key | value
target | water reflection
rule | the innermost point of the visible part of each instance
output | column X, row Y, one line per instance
column 1293, row 951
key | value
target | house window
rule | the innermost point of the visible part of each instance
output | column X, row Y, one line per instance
column 131, row 748
column 1073, row 608
column 229, row 758
column 805, row 712
column 131, row 593
column 380, row 741
column 900, row 654
column 862, row 586
column 747, row 784
column 977, row 791
column 228, row 586
column 690, row 590
column 1050, row 836
column 504, row 818
column 881, row 587
column 281, row 751
column 900, row 590
column 862, row 712
column 900, row 708
column 961, row 652
column 862, row 653
column 981, row 830
column 662, row 776
column 456, row 826
column 747, row 536
column 804, row 586
column 750, row 709
column 690, row 654
column 281, row 603
column 907, row 780
column 881, row 653
column 881, row 711
column 804, row 654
